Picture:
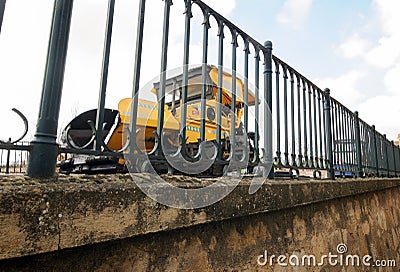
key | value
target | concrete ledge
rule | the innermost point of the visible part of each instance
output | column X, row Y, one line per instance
column 71, row 211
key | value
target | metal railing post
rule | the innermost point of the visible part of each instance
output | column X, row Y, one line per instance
column 104, row 77
column 44, row 149
column 358, row 145
column 328, row 131
column 268, row 157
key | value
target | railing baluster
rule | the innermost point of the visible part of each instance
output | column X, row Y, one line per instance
column 373, row 154
column 358, row 144
column 1, row 160
column 364, row 140
column 339, row 138
column 257, row 100
column 382, row 157
column 104, row 77
column 220, row 86
column 373, row 157
column 386, row 154
column 323, row 127
column 305, row 123
column 204, row 87
column 354, row 155
column 278, row 114
column 321, row 160
column 311, row 125
column 376, row 150
column 233, row 102
column 378, row 147
column 397, row 151
column 300, row 164
column 315, row 128
column 20, row 161
column 285, row 115
column 350, row 141
column 339, row 146
column 389, row 157
column 246, row 86
column 15, row 161
column 136, row 77
column 398, row 161
column 293, row 137
column 8, row 161
column 394, row 159
column 392, row 156
column 163, row 74
column 185, row 76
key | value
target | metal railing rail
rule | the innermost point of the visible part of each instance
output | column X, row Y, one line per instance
column 311, row 129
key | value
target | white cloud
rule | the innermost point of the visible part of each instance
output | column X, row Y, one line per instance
column 387, row 50
column 389, row 15
column 383, row 52
column 381, row 110
column 344, row 88
column 355, row 46
column 381, row 61
column 392, row 79
column 386, row 53
column 294, row 12
column 384, row 112
column 23, row 45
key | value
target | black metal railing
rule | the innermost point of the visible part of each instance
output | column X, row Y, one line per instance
column 301, row 137
column 14, row 153
column 297, row 125
column 14, row 159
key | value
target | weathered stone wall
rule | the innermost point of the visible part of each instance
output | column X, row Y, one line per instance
column 285, row 217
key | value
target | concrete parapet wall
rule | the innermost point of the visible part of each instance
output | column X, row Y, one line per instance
column 283, row 217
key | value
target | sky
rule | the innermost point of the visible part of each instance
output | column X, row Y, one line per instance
column 352, row 47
